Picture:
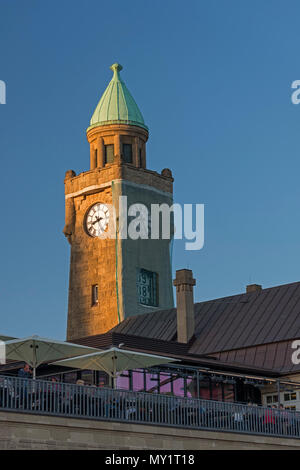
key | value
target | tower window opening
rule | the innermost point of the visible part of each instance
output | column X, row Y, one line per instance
column 96, row 157
column 140, row 158
column 109, row 153
column 95, row 294
column 127, row 153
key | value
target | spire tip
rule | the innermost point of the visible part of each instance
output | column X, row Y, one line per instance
column 116, row 67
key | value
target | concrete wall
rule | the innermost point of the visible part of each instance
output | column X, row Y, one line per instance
column 25, row 431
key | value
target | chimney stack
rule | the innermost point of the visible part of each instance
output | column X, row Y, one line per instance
column 184, row 283
column 253, row 288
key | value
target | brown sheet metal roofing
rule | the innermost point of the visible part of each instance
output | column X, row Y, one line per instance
column 273, row 356
column 168, row 348
column 251, row 331
column 240, row 321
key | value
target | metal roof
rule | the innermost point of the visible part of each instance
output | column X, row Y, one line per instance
column 246, row 332
column 171, row 348
column 117, row 105
column 250, row 332
column 234, row 322
column 272, row 356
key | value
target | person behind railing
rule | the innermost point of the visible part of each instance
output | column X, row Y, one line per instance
column 293, row 422
column 249, row 412
column 52, row 398
column 92, row 401
column 283, row 419
column 257, row 417
column 277, row 417
column 269, row 419
column 78, row 397
column 67, row 398
column 24, row 373
column 6, row 392
column 2, row 393
column 114, row 405
column 238, row 417
column 99, row 396
column 131, row 409
column 202, row 414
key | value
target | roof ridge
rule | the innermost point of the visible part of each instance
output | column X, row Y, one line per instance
column 246, row 293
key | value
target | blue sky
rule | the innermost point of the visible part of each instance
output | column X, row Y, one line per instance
column 213, row 81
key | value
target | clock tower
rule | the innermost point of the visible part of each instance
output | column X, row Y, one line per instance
column 113, row 277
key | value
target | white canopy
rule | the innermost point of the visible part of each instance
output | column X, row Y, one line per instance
column 115, row 360
column 35, row 350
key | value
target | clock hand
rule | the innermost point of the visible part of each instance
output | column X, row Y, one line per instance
column 97, row 220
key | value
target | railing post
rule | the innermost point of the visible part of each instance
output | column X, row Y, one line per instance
column 278, row 393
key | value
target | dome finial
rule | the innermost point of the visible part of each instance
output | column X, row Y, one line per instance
column 116, row 68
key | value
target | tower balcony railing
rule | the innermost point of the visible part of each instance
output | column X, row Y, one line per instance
column 89, row 402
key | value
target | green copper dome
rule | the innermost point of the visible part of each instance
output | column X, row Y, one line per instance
column 117, row 106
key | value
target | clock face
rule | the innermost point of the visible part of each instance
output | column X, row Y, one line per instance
column 97, row 219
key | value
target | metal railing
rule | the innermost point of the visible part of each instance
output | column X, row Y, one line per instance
column 62, row 399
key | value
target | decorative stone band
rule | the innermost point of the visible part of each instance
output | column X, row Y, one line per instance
column 99, row 187
column 184, row 287
column 184, row 280
column 118, row 121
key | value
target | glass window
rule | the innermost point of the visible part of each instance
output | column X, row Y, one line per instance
column 147, row 287
column 228, row 392
column 290, row 396
column 165, row 383
column 127, row 153
column 178, row 386
column 138, row 380
column 217, row 393
column 191, row 387
column 271, row 399
column 204, row 388
column 109, row 153
column 123, row 380
column 152, row 382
